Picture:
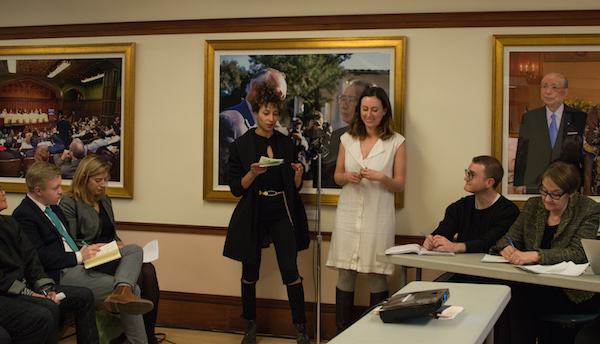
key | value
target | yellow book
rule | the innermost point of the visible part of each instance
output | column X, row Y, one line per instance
column 107, row 253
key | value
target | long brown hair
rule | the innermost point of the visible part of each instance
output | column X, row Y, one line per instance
column 386, row 128
column 91, row 165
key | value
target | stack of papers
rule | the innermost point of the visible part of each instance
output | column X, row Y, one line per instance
column 565, row 268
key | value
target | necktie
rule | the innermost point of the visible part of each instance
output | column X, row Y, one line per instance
column 61, row 229
column 553, row 130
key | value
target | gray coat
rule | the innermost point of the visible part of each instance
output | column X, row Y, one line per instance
column 84, row 220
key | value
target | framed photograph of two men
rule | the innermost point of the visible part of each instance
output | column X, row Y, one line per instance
column 546, row 91
column 320, row 79
column 59, row 103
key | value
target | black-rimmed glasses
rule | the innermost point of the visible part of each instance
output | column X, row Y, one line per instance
column 469, row 174
column 545, row 193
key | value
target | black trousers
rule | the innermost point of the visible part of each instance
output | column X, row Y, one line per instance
column 281, row 232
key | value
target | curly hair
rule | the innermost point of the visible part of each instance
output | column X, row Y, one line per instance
column 266, row 93
column 386, row 128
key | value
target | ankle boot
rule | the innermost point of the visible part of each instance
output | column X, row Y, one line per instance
column 250, row 335
column 123, row 300
column 378, row 297
column 344, row 304
column 301, row 336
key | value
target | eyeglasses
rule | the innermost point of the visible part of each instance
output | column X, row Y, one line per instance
column 469, row 174
column 545, row 193
column 347, row 99
column 550, row 87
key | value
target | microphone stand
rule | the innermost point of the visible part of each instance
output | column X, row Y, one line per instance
column 319, row 239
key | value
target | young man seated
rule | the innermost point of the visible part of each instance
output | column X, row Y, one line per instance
column 479, row 219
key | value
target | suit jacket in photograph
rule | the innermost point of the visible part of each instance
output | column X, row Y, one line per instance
column 534, row 151
column 44, row 236
column 233, row 123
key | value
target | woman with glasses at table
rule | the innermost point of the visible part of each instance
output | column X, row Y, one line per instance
column 91, row 219
column 549, row 231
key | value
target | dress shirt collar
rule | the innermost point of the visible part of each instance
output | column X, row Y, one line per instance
column 558, row 114
column 39, row 204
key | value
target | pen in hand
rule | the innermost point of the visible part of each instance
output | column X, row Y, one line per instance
column 512, row 244
column 86, row 244
column 425, row 235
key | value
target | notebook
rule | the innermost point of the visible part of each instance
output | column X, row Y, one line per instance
column 592, row 251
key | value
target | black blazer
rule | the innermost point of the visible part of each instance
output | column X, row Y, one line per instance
column 45, row 238
column 242, row 241
column 534, row 151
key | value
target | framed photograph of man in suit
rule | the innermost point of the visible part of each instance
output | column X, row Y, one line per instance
column 59, row 103
column 545, row 109
column 321, row 80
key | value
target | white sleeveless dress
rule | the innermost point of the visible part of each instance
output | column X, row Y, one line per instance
column 365, row 220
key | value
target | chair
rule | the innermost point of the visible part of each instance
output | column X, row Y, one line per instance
column 27, row 162
column 561, row 328
column 10, row 168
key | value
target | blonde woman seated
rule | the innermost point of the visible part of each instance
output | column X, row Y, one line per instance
column 91, row 219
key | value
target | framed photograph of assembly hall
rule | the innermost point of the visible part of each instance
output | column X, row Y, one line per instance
column 59, row 103
column 545, row 108
column 320, row 79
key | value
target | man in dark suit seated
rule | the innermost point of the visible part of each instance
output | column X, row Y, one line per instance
column 113, row 283
column 551, row 133
column 29, row 307
column 70, row 159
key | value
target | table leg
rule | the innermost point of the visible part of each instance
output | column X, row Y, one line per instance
column 490, row 337
column 419, row 274
column 403, row 276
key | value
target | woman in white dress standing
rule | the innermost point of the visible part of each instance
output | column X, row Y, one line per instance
column 371, row 167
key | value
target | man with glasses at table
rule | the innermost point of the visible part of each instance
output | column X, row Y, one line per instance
column 480, row 219
column 551, row 133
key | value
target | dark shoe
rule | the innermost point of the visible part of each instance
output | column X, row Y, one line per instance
column 122, row 339
column 301, row 336
column 377, row 298
column 250, row 335
column 344, row 304
column 123, row 300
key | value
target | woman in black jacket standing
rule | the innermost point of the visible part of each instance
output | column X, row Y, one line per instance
column 270, row 209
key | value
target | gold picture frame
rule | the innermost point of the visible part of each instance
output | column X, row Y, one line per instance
column 519, row 63
column 392, row 48
column 118, row 60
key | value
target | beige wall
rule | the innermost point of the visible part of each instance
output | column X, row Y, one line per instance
column 448, row 121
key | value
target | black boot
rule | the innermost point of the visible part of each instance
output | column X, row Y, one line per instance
column 296, row 296
column 301, row 336
column 249, row 301
column 250, row 335
column 378, row 297
column 344, row 303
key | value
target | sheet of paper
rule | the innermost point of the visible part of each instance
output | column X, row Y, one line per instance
column 151, row 251
column 111, row 246
column 563, row 268
column 488, row 258
column 268, row 162
column 450, row 312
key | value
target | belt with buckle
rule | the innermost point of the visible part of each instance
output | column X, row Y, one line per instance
column 270, row 193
